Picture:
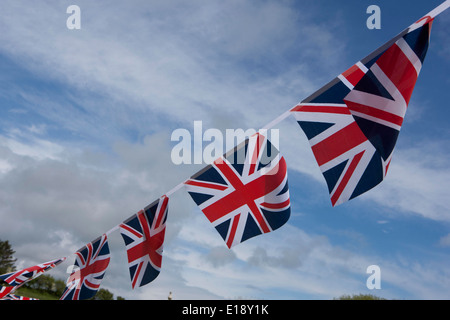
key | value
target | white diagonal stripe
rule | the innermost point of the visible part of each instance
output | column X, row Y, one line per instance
column 410, row 54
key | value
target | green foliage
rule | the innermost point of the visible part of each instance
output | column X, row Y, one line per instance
column 31, row 293
column 359, row 297
column 103, row 294
column 6, row 257
column 46, row 284
column 44, row 287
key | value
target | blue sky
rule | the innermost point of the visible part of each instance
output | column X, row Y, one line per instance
column 85, row 124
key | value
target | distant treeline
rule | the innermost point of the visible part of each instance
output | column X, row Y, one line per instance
column 44, row 285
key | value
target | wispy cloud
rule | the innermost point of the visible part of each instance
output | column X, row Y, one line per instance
column 100, row 103
column 445, row 241
column 417, row 182
column 174, row 67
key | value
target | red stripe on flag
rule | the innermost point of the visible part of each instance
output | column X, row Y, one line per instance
column 4, row 291
column 346, row 178
column 338, row 143
column 131, row 230
column 92, row 285
column 136, row 273
column 233, row 230
column 387, row 167
column 353, row 74
column 255, row 155
column 206, row 185
column 243, row 194
column 276, row 205
column 396, row 65
column 321, row 109
column 374, row 112
column 246, row 194
column 161, row 211
column 93, row 268
column 143, row 220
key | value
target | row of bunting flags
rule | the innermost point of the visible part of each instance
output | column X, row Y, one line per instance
column 352, row 124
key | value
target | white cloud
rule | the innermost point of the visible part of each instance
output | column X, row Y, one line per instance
column 62, row 204
column 445, row 241
column 302, row 264
column 5, row 166
column 439, row 26
column 27, row 145
column 179, row 63
column 150, row 68
column 417, row 182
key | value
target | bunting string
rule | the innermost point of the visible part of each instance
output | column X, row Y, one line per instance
column 352, row 124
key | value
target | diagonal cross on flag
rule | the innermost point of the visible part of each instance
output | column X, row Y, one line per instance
column 246, row 198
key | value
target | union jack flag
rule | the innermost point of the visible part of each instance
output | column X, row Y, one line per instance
column 5, row 291
column 143, row 234
column 18, row 278
column 353, row 122
column 16, row 297
column 89, row 269
column 244, row 193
